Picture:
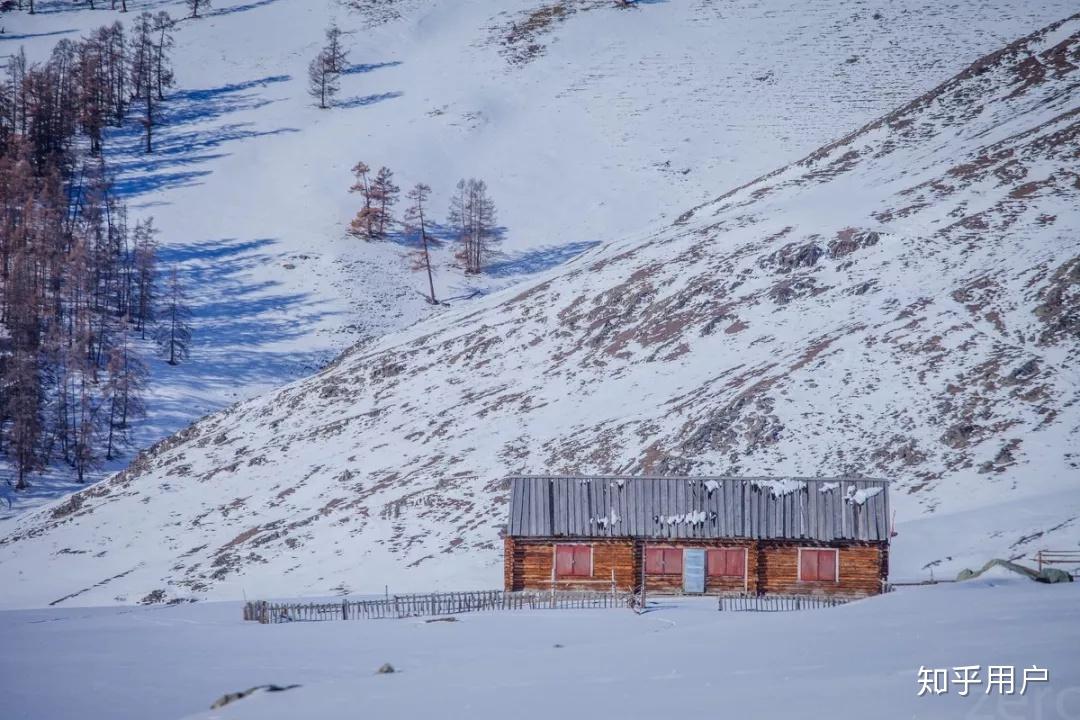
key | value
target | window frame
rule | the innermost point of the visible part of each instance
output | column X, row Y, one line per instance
column 574, row 547
column 816, row 550
column 743, row 570
column 664, row 549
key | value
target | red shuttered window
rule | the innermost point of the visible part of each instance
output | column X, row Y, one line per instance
column 654, row 561
column 663, row 561
column 573, row 561
column 727, row 562
column 817, row 565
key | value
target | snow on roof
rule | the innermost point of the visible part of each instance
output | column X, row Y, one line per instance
column 707, row 507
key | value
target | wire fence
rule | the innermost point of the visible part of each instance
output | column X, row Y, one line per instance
column 432, row 604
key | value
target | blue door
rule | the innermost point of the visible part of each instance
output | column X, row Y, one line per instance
column 693, row 570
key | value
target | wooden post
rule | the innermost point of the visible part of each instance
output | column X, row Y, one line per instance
column 644, row 601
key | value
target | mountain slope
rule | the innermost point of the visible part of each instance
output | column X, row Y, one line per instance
column 624, row 118
column 904, row 302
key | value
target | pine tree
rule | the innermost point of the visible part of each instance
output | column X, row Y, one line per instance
column 174, row 331
column 194, row 6
column 414, row 219
column 337, row 57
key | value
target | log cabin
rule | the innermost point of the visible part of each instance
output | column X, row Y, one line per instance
column 698, row 535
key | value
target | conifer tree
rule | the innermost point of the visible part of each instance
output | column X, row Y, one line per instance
column 414, row 219
column 194, row 6
column 384, row 195
column 472, row 215
column 174, row 331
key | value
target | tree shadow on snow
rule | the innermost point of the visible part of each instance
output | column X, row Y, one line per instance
column 234, row 326
column 239, row 8
column 31, row 36
column 184, row 139
column 537, row 260
column 366, row 100
column 50, row 7
column 369, row 67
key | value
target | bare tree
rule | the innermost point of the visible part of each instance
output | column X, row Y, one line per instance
column 324, row 72
column 126, row 377
column 384, row 195
column 145, row 272
column 414, row 219
column 472, row 215
column 363, row 225
column 163, row 75
column 323, row 84
column 174, row 331
column 142, row 71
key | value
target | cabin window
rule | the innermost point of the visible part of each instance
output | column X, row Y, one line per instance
column 573, row 561
column 818, row 565
column 663, row 561
column 727, row 562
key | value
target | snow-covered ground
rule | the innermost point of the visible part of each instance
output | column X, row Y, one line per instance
column 626, row 118
column 682, row 659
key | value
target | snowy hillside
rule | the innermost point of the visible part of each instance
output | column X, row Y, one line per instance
column 589, row 125
column 901, row 303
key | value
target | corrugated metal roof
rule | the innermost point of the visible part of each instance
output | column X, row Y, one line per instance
column 700, row 507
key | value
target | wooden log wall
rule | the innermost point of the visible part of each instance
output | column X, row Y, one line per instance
column 528, row 563
column 772, row 566
column 862, row 569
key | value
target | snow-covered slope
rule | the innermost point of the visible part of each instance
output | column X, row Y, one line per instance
column 901, row 303
column 615, row 119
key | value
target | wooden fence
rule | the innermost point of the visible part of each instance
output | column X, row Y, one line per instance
column 432, row 604
column 778, row 603
column 1057, row 557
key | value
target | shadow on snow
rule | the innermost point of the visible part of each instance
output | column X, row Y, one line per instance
column 178, row 147
column 366, row 100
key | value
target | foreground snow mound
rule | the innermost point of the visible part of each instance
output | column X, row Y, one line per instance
column 670, row 662
column 904, row 303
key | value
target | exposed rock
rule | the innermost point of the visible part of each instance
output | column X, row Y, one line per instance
column 233, row 697
column 385, row 669
column 1023, row 373
column 959, row 435
column 156, row 596
column 849, row 240
column 791, row 257
column 1053, row 575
